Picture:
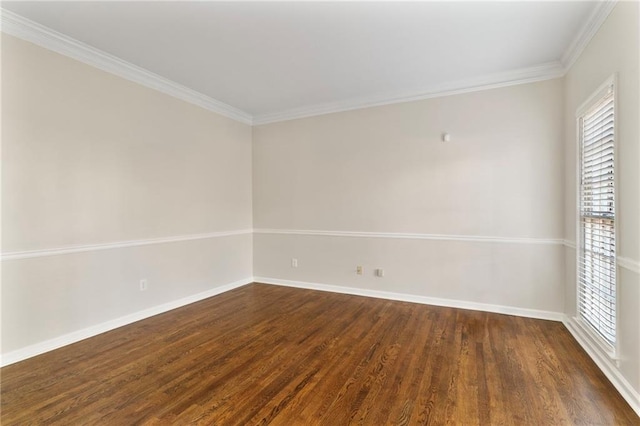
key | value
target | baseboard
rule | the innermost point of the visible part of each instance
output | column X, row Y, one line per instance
column 76, row 336
column 602, row 360
column 451, row 303
column 605, row 364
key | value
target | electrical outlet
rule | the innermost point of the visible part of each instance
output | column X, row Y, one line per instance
column 359, row 270
column 380, row 272
column 144, row 284
column 294, row 262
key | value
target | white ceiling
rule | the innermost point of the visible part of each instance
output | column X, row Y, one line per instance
column 272, row 59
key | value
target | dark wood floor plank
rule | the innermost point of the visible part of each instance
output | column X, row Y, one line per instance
column 274, row 355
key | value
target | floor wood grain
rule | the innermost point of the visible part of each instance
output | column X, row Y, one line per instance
column 265, row 354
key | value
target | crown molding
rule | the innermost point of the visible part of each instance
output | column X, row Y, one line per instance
column 599, row 14
column 493, row 81
column 25, row 29
column 28, row 30
column 521, row 76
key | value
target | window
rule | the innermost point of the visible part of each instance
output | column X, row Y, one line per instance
column 596, row 209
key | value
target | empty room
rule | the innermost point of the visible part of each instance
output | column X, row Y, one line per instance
column 320, row 213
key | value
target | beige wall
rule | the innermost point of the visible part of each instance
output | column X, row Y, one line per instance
column 614, row 49
column 89, row 158
column 385, row 170
column 92, row 158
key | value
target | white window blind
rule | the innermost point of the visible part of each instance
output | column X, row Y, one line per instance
column 597, row 248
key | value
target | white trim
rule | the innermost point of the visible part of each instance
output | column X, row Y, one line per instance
column 396, row 235
column 595, row 339
column 605, row 363
column 569, row 244
column 18, row 26
column 119, row 244
column 451, row 303
column 610, row 84
column 521, row 76
column 586, row 33
column 76, row 336
column 630, row 264
column 17, row 255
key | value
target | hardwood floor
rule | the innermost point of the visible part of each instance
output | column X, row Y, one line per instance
column 273, row 355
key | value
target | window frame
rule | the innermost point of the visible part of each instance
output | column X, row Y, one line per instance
column 612, row 350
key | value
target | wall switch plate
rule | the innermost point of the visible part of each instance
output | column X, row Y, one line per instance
column 144, row 284
column 294, row 263
column 379, row 272
column 359, row 270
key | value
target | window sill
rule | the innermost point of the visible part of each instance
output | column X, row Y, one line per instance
column 596, row 341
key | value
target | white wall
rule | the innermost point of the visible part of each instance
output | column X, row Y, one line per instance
column 90, row 158
column 614, row 49
column 385, row 170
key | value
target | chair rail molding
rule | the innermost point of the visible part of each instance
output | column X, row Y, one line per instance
column 411, row 236
column 16, row 255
